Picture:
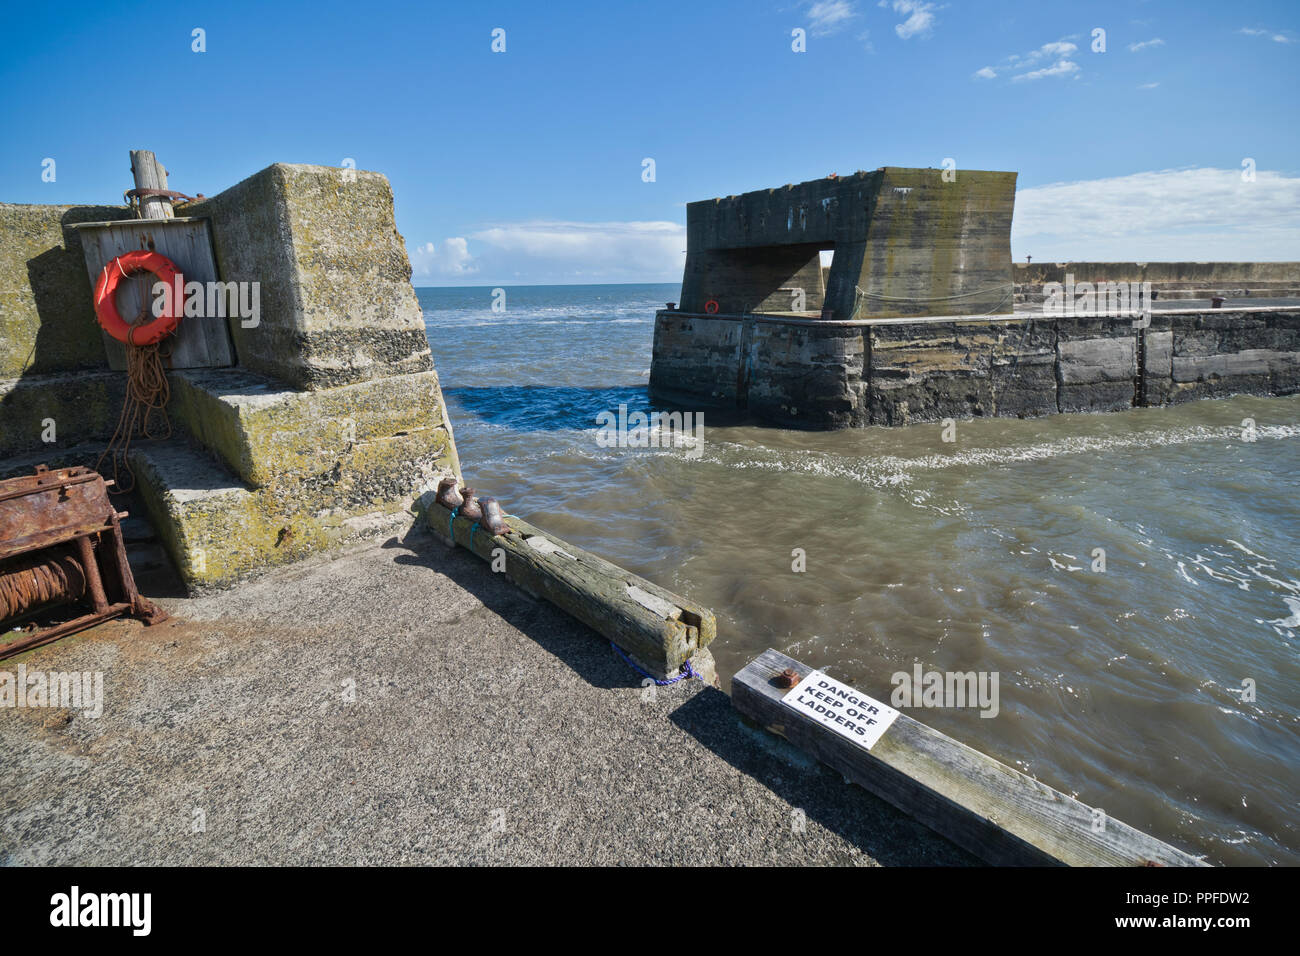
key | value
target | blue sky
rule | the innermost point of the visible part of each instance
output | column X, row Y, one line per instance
column 526, row 166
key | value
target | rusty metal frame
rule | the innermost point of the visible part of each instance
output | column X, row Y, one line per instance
column 70, row 506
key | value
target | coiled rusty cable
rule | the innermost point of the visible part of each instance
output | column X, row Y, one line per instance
column 28, row 583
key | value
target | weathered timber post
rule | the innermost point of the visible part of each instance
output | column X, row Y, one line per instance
column 659, row 630
column 149, row 174
column 996, row 812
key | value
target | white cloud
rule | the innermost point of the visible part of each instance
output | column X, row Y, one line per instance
column 1145, row 45
column 1147, row 86
column 1196, row 214
column 1059, row 50
column 920, row 17
column 1260, row 32
column 556, row 251
column 1059, row 68
column 829, row 16
column 453, row 259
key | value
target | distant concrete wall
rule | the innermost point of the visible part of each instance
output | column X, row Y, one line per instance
column 1169, row 280
column 1210, row 273
column 815, row 374
column 906, row 242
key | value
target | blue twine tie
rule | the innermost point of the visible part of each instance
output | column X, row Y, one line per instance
column 451, row 524
column 687, row 670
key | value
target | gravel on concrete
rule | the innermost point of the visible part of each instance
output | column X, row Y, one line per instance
column 401, row 704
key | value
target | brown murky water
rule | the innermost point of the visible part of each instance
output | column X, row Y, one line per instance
column 1122, row 686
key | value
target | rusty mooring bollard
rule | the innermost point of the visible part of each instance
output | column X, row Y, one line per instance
column 787, row 678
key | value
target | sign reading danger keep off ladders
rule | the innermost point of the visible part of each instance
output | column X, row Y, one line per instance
column 844, row 710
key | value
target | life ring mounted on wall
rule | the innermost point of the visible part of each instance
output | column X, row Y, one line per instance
column 711, row 306
column 124, row 266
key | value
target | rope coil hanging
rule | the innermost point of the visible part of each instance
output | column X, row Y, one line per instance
column 147, row 395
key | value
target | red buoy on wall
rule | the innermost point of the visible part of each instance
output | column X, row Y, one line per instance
column 156, row 329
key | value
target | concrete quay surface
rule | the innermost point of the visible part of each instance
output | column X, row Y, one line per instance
column 400, row 705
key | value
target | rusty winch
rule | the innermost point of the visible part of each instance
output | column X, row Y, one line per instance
column 61, row 542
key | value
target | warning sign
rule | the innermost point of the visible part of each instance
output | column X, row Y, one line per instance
column 844, row 710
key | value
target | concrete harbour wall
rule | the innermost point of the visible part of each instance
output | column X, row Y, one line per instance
column 329, row 424
column 820, row 374
column 1169, row 280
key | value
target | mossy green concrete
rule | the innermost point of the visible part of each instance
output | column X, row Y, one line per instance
column 267, row 434
column 218, row 530
column 334, row 418
column 47, row 323
column 906, row 242
column 336, row 297
column 82, row 407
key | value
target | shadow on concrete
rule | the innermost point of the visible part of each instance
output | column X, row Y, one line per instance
column 875, row 827
column 578, row 646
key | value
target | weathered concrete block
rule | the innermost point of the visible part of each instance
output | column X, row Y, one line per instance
column 933, row 247
column 808, row 375
column 1157, row 366
column 82, row 406
column 268, row 434
column 336, row 299
column 1021, row 361
column 217, row 530
column 919, row 373
column 1096, row 368
column 1216, row 354
column 906, row 241
column 47, row 321
column 697, row 359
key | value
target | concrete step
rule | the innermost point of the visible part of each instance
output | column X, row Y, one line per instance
column 267, row 433
column 217, row 528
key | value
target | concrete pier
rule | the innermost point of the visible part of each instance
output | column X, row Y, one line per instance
column 813, row 373
column 904, row 240
column 402, row 705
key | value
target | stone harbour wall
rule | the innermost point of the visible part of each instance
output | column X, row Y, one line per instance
column 326, row 429
column 818, row 374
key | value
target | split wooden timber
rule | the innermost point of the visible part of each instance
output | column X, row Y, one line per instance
column 658, row 629
column 997, row 813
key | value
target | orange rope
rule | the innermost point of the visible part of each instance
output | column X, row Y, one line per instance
column 147, row 394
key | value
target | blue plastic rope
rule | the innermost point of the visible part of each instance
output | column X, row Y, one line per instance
column 472, row 529
column 687, row 670
column 451, row 524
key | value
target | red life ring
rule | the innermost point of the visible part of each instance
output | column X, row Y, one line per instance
column 711, row 306
column 156, row 329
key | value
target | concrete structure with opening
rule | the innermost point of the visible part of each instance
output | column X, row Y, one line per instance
column 922, row 316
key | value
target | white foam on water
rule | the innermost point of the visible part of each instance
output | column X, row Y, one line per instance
column 1294, row 619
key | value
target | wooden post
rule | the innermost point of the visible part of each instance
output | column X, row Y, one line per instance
column 998, row 813
column 149, row 174
column 658, row 629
